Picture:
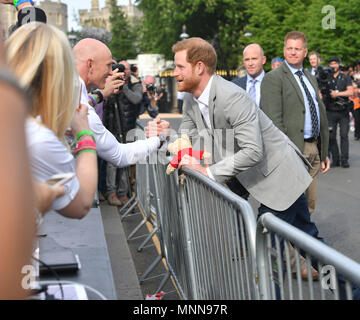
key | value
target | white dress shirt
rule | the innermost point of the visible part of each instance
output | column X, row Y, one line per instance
column 108, row 148
column 203, row 103
column 257, row 85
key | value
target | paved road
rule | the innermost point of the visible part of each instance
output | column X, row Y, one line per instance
column 338, row 210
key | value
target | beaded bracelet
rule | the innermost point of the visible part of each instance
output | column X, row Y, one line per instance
column 87, row 143
column 81, row 133
column 18, row 2
column 78, row 151
column 85, row 150
column 93, row 99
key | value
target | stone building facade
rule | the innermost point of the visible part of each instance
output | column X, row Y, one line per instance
column 100, row 18
column 56, row 13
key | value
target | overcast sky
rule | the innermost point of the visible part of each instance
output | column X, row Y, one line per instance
column 75, row 5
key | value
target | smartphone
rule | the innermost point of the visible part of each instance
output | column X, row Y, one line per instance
column 60, row 179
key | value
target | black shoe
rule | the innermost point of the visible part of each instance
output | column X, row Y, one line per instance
column 335, row 163
column 345, row 164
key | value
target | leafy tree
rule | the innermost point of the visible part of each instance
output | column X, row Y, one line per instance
column 269, row 21
column 218, row 21
column 123, row 43
column 343, row 41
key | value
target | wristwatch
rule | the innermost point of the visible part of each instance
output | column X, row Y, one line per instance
column 99, row 94
column 163, row 138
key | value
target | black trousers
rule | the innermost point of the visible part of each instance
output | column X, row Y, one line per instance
column 356, row 114
column 341, row 119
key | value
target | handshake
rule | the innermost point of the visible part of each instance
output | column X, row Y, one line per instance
column 157, row 127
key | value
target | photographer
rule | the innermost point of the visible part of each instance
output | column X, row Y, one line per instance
column 150, row 99
column 336, row 92
column 120, row 113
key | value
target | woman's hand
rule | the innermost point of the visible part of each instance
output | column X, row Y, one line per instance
column 80, row 120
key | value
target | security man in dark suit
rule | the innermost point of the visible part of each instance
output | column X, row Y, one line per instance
column 254, row 60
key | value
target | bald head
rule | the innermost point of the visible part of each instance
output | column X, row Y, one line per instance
column 149, row 79
column 254, row 47
column 254, row 59
column 93, row 61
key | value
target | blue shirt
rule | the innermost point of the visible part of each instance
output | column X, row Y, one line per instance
column 307, row 125
column 257, row 85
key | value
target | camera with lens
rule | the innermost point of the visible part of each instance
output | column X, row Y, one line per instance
column 120, row 67
column 326, row 82
column 150, row 88
column 324, row 75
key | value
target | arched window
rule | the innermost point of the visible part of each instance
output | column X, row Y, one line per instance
column 59, row 19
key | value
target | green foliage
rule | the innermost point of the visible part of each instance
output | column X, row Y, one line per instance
column 226, row 23
column 123, row 43
column 218, row 21
column 271, row 20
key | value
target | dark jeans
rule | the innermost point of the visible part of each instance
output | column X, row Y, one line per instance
column 342, row 119
column 102, row 175
column 298, row 216
column 356, row 115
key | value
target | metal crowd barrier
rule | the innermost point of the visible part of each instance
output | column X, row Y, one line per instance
column 207, row 235
column 214, row 249
column 337, row 273
column 141, row 199
column 220, row 240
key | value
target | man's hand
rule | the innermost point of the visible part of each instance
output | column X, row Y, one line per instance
column 325, row 165
column 333, row 94
column 192, row 163
column 156, row 127
column 113, row 83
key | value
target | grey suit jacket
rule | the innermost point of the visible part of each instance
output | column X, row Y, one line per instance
column 244, row 143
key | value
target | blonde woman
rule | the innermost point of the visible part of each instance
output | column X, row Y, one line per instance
column 41, row 57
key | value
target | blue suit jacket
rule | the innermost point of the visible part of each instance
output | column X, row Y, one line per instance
column 241, row 82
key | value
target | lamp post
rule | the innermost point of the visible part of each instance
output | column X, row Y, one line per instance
column 184, row 35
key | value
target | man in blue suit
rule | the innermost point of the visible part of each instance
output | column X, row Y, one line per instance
column 254, row 60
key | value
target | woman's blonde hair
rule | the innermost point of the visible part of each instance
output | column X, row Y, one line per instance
column 41, row 57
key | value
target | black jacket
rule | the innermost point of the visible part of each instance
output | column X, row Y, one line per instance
column 128, row 102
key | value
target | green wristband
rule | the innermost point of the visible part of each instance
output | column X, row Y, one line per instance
column 81, row 133
column 86, row 150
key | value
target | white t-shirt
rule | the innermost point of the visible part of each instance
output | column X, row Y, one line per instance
column 108, row 148
column 48, row 156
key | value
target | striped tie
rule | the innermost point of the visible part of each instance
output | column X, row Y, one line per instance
column 314, row 117
column 252, row 90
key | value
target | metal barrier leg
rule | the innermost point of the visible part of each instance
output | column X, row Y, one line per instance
column 133, row 197
column 136, row 229
column 150, row 268
column 163, row 281
column 129, row 210
column 148, row 238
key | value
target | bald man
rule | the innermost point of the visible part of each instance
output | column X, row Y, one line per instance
column 93, row 62
column 254, row 60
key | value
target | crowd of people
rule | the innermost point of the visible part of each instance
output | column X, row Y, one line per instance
column 279, row 124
